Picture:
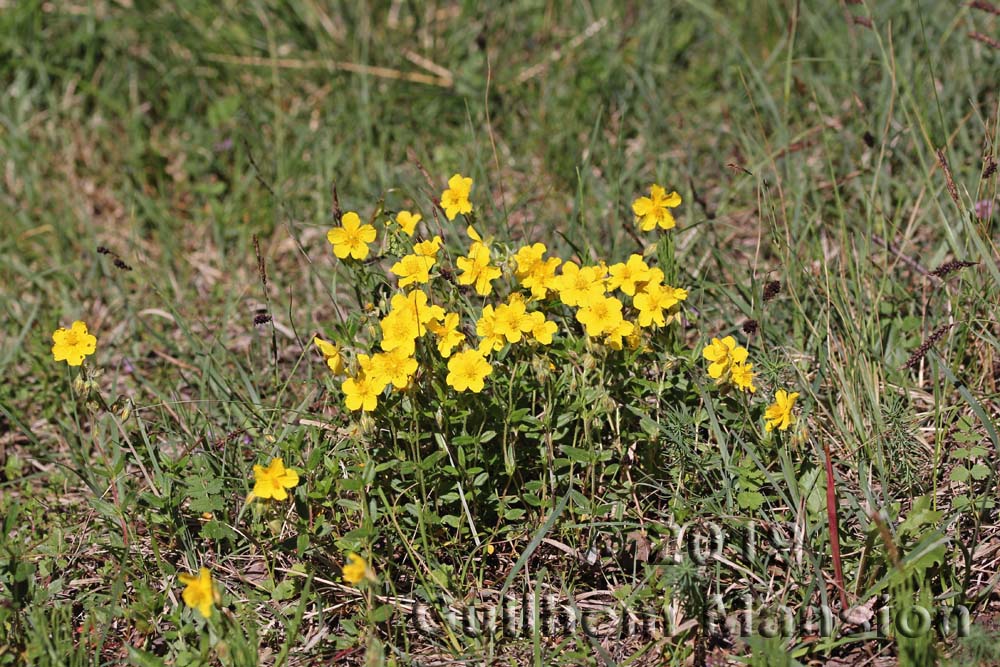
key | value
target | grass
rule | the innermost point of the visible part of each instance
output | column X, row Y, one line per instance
column 804, row 141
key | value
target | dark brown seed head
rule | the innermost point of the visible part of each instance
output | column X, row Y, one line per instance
column 102, row 250
column 261, row 319
column 750, row 327
column 119, row 264
column 984, row 6
column 926, row 346
column 771, row 290
column 948, row 178
column 991, row 167
column 869, row 139
column 261, row 266
column 335, row 205
column 951, row 267
column 985, row 39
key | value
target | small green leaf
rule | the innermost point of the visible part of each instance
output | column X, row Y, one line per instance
column 381, row 613
column 980, row 471
column 750, row 500
column 283, row 591
column 577, row 454
column 140, row 658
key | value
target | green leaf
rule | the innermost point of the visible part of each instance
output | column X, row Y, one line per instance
column 204, row 504
column 217, row 530
column 960, row 502
column 750, row 500
column 980, row 471
column 959, row 474
column 140, row 658
column 813, row 486
column 283, row 591
column 577, row 454
column 381, row 613
column 920, row 516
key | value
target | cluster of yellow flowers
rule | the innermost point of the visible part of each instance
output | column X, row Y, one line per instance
column 729, row 364
column 594, row 292
column 613, row 304
column 729, row 367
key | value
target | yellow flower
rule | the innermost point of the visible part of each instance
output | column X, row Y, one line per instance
column 415, row 307
column 466, row 370
column 428, row 248
column 526, row 258
column 779, row 414
column 541, row 328
column 73, row 344
column 448, row 335
column 601, row 315
column 579, row 286
column 615, row 336
column 655, row 277
column 723, row 354
column 407, row 320
column 331, row 354
column 400, row 331
column 271, row 482
column 535, row 273
column 408, row 221
column 395, row 368
column 653, row 300
column 476, row 269
column 199, row 591
column 475, row 236
column 625, row 276
column 633, row 339
column 357, row 570
column 511, row 320
column 361, row 392
column 542, row 278
column 655, row 209
column 365, row 365
column 492, row 340
column 743, row 377
column 351, row 238
column 674, row 311
column 455, row 199
column 413, row 269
